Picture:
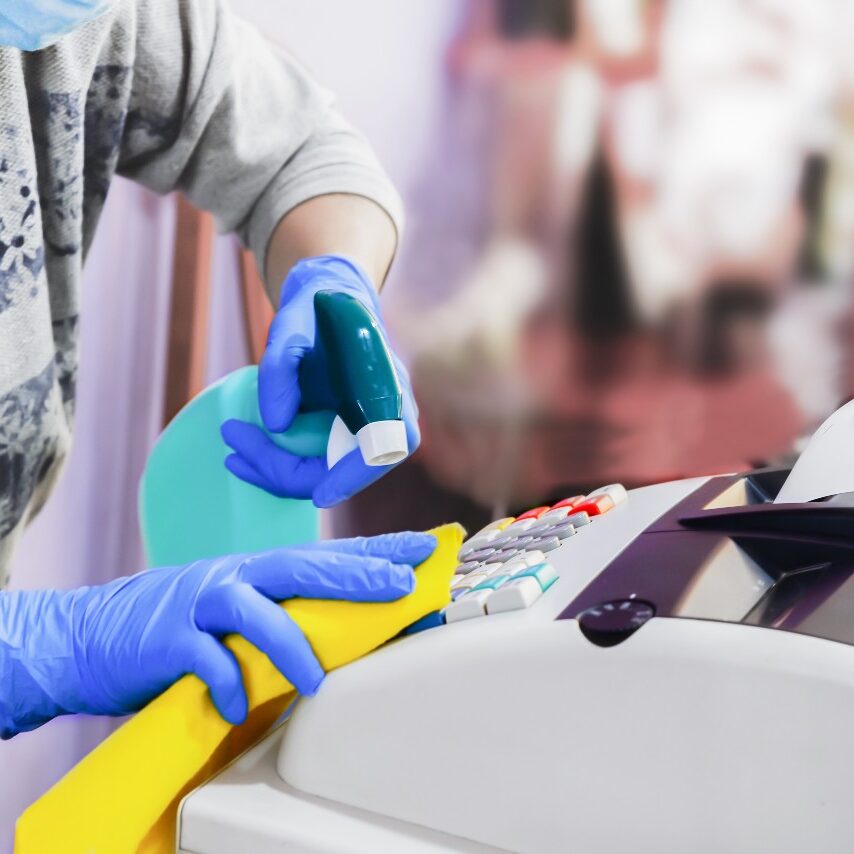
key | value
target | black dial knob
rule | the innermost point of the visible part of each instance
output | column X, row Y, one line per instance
column 612, row 622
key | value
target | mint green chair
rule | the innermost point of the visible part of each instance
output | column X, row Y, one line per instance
column 191, row 506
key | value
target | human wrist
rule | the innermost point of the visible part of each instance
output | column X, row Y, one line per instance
column 340, row 223
column 336, row 272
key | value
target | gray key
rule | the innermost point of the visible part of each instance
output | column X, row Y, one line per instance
column 541, row 528
column 578, row 519
column 472, row 545
column 546, row 544
column 480, row 555
column 466, row 550
column 560, row 531
column 504, row 555
column 500, row 541
column 467, row 567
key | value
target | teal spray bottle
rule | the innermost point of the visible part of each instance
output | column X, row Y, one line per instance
column 191, row 506
column 352, row 359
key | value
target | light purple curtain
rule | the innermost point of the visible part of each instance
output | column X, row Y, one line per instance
column 88, row 532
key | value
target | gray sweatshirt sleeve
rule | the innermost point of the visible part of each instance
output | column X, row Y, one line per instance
column 218, row 112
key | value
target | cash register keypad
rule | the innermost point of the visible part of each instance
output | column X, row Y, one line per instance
column 503, row 567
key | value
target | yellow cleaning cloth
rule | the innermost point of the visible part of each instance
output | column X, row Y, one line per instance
column 124, row 795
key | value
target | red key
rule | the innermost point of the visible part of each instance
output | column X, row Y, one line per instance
column 596, row 505
column 568, row 502
column 533, row 513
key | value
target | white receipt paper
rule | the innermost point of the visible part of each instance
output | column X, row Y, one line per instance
column 826, row 466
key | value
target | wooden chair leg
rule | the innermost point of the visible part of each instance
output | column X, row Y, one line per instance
column 188, row 327
column 257, row 311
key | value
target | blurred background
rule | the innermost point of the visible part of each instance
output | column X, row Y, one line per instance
column 628, row 258
column 629, row 249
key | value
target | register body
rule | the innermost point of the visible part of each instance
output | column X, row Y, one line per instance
column 687, row 684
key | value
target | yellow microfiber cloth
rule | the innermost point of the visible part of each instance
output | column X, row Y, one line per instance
column 124, row 795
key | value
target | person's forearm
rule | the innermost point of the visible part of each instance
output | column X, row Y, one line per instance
column 336, row 224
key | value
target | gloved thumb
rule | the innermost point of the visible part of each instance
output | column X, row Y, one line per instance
column 217, row 667
column 291, row 337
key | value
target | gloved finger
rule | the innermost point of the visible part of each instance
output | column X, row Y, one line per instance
column 315, row 574
column 292, row 335
column 283, row 473
column 350, row 474
column 217, row 667
column 347, row 477
column 238, row 608
column 412, row 547
column 240, row 468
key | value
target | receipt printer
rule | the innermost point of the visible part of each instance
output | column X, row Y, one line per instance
column 668, row 669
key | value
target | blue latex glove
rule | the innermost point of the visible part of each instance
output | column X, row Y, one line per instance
column 256, row 458
column 110, row 649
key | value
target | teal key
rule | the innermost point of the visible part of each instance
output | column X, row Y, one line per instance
column 544, row 573
column 492, row 583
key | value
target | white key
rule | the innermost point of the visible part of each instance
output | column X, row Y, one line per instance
column 515, row 565
column 479, row 541
column 497, row 525
column 514, row 596
column 615, row 491
column 470, row 580
column 492, row 569
column 520, row 526
column 456, row 580
column 533, row 557
column 468, row 606
column 540, row 527
column 556, row 515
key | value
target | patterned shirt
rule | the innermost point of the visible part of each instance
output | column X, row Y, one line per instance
column 175, row 94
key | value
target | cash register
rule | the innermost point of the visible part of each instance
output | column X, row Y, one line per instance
column 669, row 668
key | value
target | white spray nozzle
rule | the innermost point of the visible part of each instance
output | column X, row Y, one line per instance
column 382, row 443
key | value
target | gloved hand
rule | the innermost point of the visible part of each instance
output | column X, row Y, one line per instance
column 256, row 458
column 110, row 649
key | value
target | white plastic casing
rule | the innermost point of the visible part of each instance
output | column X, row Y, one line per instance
column 512, row 731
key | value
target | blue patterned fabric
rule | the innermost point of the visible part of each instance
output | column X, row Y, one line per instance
column 178, row 95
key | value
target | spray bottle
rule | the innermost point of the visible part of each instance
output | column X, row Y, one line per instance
column 352, row 358
column 191, row 506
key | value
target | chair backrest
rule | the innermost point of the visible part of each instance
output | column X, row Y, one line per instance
column 190, row 505
column 190, row 307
